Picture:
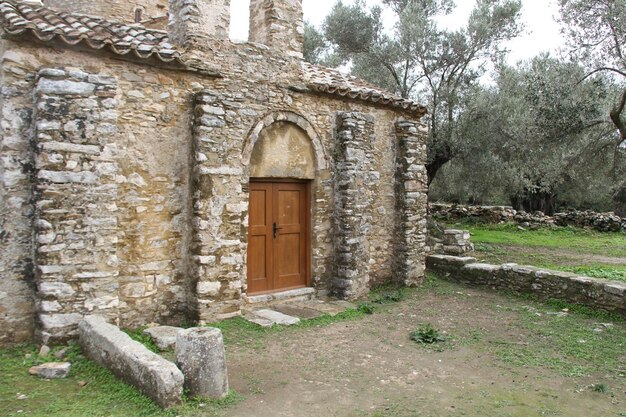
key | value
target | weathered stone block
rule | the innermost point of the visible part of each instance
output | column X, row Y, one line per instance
column 200, row 355
column 113, row 349
column 51, row 370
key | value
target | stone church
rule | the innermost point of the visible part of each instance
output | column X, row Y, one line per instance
column 153, row 170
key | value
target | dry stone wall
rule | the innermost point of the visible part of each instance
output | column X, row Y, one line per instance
column 602, row 222
column 546, row 284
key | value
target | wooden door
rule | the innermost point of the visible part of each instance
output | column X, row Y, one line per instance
column 278, row 236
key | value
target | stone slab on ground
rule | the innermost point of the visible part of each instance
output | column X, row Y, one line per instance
column 300, row 310
column 163, row 336
column 268, row 318
column 51, row 370
column 324, row 307
column 131, row 361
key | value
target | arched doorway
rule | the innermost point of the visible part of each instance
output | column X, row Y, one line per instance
column 283, row 164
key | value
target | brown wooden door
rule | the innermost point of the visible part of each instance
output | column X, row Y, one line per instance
column 278, row 236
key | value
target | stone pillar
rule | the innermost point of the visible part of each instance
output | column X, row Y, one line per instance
column 353, row 200
column 278, row 24
column 220, row 205
column 75, row 199
column 17, row 307
column 193, row 20
column 411, row 203
column 201, row 357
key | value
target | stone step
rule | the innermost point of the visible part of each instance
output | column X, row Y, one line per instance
column 268, row 318
column 297, row 295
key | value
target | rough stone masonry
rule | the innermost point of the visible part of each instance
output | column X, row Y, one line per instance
column 127, row 152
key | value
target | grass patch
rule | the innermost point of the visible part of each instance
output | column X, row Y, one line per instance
column 614, row 273
column 573, row 344
column 576, row 239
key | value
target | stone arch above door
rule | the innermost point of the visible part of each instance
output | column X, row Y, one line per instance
column 290, row 142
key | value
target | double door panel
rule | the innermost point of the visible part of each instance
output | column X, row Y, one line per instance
column 277, row 237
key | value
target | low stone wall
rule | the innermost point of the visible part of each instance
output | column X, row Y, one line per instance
column 603, row 222
column 546, row 284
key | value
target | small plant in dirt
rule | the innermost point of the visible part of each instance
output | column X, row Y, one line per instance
column 366, row 308
column 426, row 334
column 601, row 388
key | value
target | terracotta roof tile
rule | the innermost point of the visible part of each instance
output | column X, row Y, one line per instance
column 330, row 81
column 46, row 24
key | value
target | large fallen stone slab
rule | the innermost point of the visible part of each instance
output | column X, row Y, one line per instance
column 131, row 361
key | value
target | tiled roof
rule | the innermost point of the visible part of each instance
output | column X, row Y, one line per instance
column 17, row 18
column 330, row 81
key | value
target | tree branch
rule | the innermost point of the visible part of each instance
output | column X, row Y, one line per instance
column 616, row 116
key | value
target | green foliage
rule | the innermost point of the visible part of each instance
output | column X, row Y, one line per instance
column 426, row 334
column 601, row 388
column 526, row 137
column 420, row 59
column 595, row 271
column 366, row 308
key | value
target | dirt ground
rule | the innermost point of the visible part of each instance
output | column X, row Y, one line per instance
column 370, row 367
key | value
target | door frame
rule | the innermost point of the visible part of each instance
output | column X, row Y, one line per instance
column 308, row 195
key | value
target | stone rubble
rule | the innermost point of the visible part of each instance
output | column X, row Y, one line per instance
column 51, row 370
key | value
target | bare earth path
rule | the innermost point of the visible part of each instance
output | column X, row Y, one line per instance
column 504, row 357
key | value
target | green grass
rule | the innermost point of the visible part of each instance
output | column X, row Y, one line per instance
column 574, row 239
column 615, row 273
column 104, row 394
column 567, row 249
column 569, row 345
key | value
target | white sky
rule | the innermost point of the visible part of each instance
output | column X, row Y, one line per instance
column 542, row 32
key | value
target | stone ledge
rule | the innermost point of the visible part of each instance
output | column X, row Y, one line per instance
column 592, row 292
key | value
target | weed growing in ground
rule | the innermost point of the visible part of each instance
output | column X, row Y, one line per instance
column 601, row 388
column 426, row 334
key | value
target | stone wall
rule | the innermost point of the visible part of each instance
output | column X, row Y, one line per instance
column 153, row 209
column 75, row 211
column 602, row 222
column 411, row 203
column 596, row 293
column 120, row 10
column 353, row 192
column 448, row 241
column 279, row 24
